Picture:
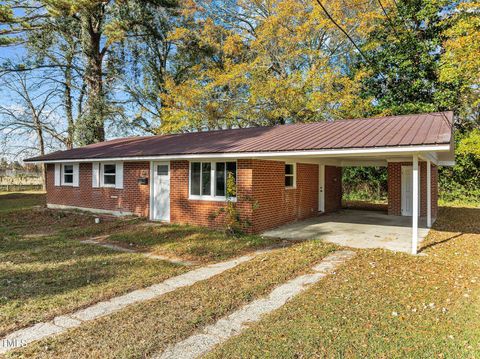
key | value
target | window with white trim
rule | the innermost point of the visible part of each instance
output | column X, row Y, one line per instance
column 67, row 175
column 290, row 173
column 208, row 180
column 109, row 174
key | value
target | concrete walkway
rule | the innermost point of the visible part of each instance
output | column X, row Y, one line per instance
column 62, row 323
column 199, row 344
column 356, row 229
column 99, row 242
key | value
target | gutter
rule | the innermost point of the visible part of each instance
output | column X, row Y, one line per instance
column 305, row 153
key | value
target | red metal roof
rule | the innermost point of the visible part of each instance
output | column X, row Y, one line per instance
column 392, row 131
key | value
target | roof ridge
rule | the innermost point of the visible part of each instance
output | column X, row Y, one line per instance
column 287, row 124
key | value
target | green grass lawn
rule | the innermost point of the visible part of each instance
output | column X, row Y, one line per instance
column 144, row 329
column 46, row 271
column 384, row 305
column 196, row 244
column 379, row 305
column 19, row 200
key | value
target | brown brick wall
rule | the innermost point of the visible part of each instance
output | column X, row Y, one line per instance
column 184, row 210
column 395, row 188
column 278, row 205
column 132, row 198
column 259, row 181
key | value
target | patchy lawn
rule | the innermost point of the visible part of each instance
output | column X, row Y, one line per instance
column 141, row 330
column 380, row 304
column 41, row 277
column 46, row 271
column 19, row 200
column 190, row 243
column 384, row 305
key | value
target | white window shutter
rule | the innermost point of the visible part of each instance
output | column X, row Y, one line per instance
column 119, row 175
column 95, row 174
column 57, row 174
column 76, row 175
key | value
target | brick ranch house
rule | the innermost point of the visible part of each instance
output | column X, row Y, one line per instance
column 292, row 172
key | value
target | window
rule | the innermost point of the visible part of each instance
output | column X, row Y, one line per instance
column 208, row 180
column 67, row 174
column 195, row 172
column 109, row 174
column 220, row 184
column 232, row 170
column 162, row 170
column 289, row 175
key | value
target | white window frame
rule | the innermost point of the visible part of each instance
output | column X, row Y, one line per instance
column 102, row 174
column 62, row 175
column 294, row 175
column 213, row 169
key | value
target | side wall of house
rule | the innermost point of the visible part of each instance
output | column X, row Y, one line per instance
column 395, row 188
column 133, row 198
column 278, row 205
column 188, row 211
column 262, row 199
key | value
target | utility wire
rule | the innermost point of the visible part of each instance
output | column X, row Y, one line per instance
column 348, row 37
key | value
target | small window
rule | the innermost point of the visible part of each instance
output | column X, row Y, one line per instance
column 109, row 174
column 67, row 174
column 162, row 170
column 289, row 175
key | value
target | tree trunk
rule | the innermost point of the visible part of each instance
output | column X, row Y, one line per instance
column 68, row 104
column 92, row 123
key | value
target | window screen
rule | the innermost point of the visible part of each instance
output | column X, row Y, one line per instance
column 206, row 179
column 68, row 174
column 109, row 173
column 195, row 178
column 162, row 170
column 289, row 175
column 220, row 179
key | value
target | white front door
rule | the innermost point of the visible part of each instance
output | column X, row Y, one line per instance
column 161, row 191
column 321, row 188
column 407, row 190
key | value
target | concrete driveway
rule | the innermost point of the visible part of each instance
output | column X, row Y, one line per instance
column 355, row 228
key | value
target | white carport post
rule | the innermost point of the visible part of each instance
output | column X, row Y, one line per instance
column 415, row 205
column 429, row 194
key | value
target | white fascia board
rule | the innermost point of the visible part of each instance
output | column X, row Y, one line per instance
column 366, row 163
column 446, row 163
column 377, row 151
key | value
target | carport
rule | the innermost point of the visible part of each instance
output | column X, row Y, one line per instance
column 357, row 229
column 411, row 148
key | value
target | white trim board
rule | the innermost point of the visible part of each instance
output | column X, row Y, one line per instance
column 385, row 151
column 92, row 210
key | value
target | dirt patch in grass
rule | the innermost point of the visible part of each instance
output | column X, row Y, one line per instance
column 71, row 224
column 189, row 243
column 144, row 329
column 18, row 200
column 41, row 277
column 384, row 305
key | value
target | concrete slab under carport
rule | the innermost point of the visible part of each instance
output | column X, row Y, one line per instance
column 355, row 228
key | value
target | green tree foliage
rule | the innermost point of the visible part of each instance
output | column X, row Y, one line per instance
column 405, row 50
